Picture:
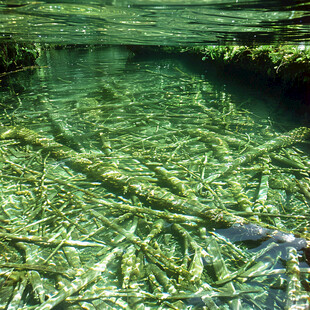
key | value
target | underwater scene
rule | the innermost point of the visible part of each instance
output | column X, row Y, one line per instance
column 154, row 155
column 132, row 182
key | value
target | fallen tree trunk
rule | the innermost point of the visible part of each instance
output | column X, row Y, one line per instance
column 157, row 197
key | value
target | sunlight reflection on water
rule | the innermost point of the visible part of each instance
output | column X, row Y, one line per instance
column 154, row 22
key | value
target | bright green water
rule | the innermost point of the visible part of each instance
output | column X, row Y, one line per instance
column 169, row 22
column 136, row 114
column 166, row 127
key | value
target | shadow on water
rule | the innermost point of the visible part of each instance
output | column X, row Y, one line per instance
column 282, row 104
column 286, row 108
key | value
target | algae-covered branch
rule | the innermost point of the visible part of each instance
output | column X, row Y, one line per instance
column 137, row 185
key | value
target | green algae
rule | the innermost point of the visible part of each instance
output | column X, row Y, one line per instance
column 14, row 56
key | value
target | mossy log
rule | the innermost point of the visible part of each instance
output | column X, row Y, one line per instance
column 157, row 197
column 297, row 135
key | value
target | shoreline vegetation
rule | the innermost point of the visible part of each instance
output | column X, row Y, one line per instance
column 15, row 56
column 286, row 68
column 288, row 65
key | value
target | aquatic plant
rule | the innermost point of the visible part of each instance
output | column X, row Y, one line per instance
column 288, row 64
column 16, row 55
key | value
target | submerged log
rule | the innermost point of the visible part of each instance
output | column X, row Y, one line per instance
column 294, row 136
column 155, row 196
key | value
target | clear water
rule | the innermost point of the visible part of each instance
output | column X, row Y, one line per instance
column 149, row 120
column 168, row 22
column 136, row 114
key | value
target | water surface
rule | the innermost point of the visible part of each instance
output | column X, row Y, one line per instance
column 167, row 22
